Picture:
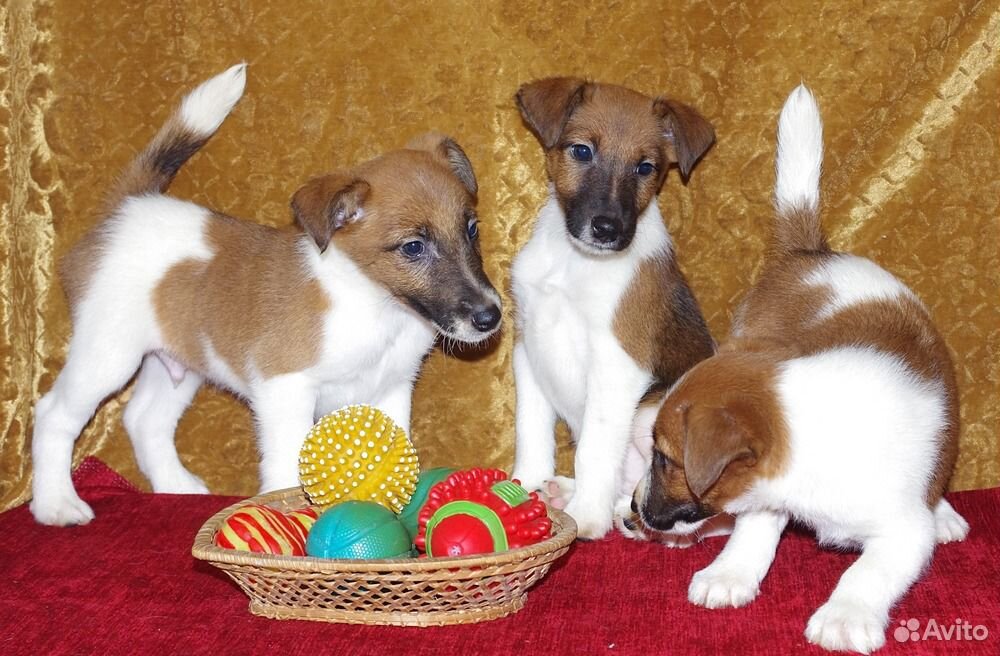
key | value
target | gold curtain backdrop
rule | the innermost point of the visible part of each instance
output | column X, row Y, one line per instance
column 908, row 91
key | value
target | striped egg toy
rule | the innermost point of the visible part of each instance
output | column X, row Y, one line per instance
column 263, row 529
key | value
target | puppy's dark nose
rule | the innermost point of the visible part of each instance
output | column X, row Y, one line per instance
column 486, row 320
column 605, row 229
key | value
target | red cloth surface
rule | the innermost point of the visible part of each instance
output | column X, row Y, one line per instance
column 127, row 584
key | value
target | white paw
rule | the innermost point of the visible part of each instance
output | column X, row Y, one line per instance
column 66, row 509
column 628, row 522
column 719, row 586
column 589, row 525
column 846, row 626
column 593, row 520
column 557, row 492
column 179, row 482
column 950, row 526
column 532, row 481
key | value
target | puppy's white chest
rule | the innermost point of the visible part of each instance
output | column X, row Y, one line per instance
column 371, row 345
column 557, row 334
column 566, row 305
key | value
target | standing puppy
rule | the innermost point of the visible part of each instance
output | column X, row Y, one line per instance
column 833, row 403
column 604, row 314
column 297, row 322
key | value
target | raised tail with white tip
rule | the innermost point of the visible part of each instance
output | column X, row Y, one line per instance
column 797, row 166
column 185, row 132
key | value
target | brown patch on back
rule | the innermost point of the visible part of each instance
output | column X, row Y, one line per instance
column 779, row 316
column 658, row 321
column 151, row 171
column 903, row 328
column 254, row 302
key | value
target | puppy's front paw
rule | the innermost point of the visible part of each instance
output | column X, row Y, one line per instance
column 61, row 509
column 628, row 522
column 532, row 480
column 846, row 626
column 591, row 523
column 557, row 492
column 719, row 586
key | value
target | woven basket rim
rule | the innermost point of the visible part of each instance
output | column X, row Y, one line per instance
column 204, row 547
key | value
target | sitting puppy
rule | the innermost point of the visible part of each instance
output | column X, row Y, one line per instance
column 299, row 323
column 833, row 404
column 604, row 313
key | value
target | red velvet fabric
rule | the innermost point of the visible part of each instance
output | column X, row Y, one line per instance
column 127, row 584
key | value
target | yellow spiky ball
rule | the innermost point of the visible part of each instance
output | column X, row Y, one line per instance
column 358, row 453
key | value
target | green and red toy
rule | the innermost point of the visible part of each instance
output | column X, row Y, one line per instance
column 479, row 511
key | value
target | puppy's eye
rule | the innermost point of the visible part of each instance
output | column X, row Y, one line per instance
column 581, row 152
column 413, row 248
column 473, row 230
column 645, row 168
column 659, row 460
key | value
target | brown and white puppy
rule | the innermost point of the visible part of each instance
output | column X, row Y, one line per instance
column 833, row 404
column 604, row 314
column 297, row 322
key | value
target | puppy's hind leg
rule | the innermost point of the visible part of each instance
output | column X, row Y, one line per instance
column 99, row 363
column 951, row 527
column 151, row 418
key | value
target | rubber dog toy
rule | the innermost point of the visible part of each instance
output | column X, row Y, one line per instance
column 480, row 511
column 262, row 529
column 361, row 530
column 358, row 453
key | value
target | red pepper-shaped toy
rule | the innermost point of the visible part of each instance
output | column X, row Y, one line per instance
column 479, row 511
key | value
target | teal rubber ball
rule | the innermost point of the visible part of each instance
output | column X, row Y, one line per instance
column 425, row 482
column 358, row 530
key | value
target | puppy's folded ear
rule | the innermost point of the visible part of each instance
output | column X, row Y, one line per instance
column 713, row 438
column 687, row 133
column 546, row 106
column 452, row 154
column 328, row 203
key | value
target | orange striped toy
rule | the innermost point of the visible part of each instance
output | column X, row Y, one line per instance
column 263, row 529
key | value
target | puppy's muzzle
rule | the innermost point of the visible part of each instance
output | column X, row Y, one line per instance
column 665, row 518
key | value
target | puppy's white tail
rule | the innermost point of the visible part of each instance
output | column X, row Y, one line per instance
column 798, row 165
column 185, row 132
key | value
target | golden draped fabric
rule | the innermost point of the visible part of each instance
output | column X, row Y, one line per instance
column 908, row 90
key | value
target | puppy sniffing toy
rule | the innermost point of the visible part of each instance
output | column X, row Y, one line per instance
column 358, row 453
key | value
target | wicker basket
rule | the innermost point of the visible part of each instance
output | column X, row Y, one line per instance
column 406, row 592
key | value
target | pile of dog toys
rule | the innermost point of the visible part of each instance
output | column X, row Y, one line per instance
column 371, row 501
